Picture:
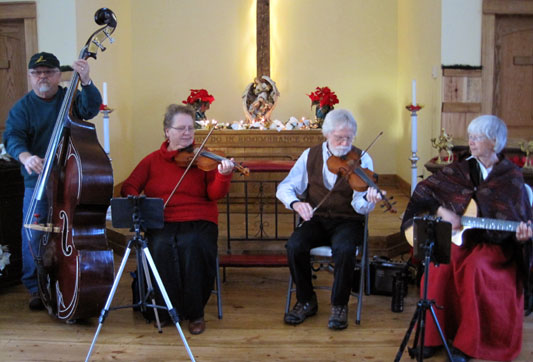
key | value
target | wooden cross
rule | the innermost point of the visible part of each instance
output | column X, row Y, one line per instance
column 263, row 37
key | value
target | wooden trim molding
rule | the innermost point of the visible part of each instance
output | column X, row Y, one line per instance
column 470, row 73
column 487, row 61
column 524, row 7
column 22, row 10
column 461, row 107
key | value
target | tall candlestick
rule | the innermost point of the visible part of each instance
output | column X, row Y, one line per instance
column 105, row 93
column 414, row 146
column 107, row 147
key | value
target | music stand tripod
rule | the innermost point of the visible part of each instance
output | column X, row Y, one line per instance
column 429, row 234
column 139, row 213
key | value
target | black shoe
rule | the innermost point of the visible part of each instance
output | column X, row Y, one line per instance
column 459, row 356
column 301, row 311
column 35, row 301
column 427, row 351
column 339, row 317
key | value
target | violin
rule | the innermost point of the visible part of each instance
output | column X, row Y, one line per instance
column 349, row 167
column 206, row 161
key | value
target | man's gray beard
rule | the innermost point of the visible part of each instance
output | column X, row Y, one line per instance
column 43, row 88
column 340, row 150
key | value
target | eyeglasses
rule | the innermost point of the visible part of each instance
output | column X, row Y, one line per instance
column 339, row 139
column 183, row 128
column 46, row 73
column 476, row 137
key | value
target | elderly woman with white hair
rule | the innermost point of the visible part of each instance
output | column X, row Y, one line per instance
column 338, row 221
column 482, row 288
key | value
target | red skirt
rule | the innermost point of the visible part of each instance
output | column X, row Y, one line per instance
column 483, row 307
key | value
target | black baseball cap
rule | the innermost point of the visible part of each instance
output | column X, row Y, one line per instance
column 43, row 59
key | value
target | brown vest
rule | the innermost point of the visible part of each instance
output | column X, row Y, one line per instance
column 338, row 203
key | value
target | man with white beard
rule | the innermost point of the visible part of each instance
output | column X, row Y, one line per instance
column 337, row 222
column 29, row 126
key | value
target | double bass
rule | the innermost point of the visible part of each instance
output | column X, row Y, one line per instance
column 75, row 268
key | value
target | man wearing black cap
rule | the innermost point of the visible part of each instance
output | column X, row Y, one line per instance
column 29, row 126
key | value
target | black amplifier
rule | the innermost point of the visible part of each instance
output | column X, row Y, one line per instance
column 382, row 273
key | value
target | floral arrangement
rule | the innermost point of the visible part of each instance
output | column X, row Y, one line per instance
column 4, row 257
column 199, row 96
column 324, row 100
column 200, row 100
column 323, row 97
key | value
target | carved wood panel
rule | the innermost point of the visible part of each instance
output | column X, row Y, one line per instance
column 12, row 70
column 18, row 41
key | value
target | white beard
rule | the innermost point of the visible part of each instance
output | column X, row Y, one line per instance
column 43, row 88
column 340, row 150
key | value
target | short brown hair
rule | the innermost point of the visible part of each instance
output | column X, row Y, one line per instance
column 174, row 109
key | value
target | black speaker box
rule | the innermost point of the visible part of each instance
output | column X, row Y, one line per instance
column 382, row 273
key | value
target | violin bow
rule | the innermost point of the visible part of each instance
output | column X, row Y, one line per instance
column 324, row 198
column 196, row 154
column 371, row 143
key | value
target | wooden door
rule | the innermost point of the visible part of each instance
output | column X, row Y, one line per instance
column 12, row 69
column 18, row 41
column 513, row 91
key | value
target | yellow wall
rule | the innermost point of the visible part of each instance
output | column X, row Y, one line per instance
column 419, row 58
column 349, row 46
column 114, row 66
column 365, row 51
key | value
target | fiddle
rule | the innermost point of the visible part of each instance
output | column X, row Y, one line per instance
column 359, row 179
column 206, row 160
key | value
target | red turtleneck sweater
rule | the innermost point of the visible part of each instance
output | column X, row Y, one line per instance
column 196, row 198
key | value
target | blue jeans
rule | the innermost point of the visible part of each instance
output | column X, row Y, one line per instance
column 29, row 271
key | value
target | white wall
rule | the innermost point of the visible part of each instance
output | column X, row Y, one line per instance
column 461, row 32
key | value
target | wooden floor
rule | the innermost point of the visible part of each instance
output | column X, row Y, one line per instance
column 252, row 327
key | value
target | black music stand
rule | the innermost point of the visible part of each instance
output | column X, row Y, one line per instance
column 432, row 237
column 139, row 213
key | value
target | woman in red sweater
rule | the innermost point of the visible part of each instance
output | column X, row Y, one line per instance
column 185, row 250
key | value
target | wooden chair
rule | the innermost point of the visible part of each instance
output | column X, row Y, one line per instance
column 321, row 259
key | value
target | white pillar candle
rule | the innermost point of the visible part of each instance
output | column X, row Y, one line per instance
column 105, row 93
column 413, row 88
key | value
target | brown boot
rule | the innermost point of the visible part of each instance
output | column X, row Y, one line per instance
column 339, row 317
column 301, row 311
column 197, row 326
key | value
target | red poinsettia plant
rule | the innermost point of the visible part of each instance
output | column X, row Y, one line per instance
column 198, row 96
column 323, row 96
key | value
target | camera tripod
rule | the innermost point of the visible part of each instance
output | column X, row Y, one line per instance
column 153, row 209
column 423, row 305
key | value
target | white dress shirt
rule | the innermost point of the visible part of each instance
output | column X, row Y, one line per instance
column 296, row 181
